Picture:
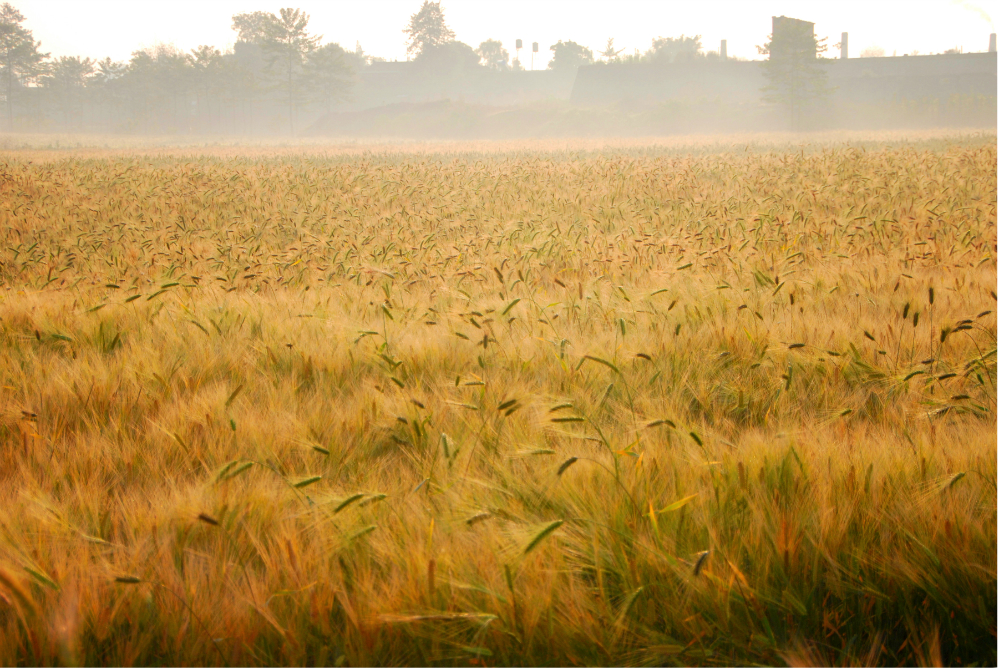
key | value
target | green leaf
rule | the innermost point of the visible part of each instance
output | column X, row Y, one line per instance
column 602, row 361
column 42, row 578
column 676, row 505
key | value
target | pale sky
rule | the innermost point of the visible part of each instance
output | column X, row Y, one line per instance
column 116, row 28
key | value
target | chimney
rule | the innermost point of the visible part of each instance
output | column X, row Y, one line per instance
column 844, row 53
column 724, row 48
column 787, row 29
column 991, row 44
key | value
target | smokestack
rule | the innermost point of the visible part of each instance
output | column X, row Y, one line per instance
column 724, row 48
column 991, row 44
column 845, row 46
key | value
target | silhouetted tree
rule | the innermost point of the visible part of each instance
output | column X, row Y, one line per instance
column 610, row 54
column 158, row 84
column 872, row 52
column 66, row 83
column 441, row 66
column 20, row 60
column 427, row 29
column 247, row 72
column 493, row 55
column 329, row 74
column 106, row 87
column 569, row 55
column 286, row 45
column 680, row 49
column 208, row 67
column 253, row 27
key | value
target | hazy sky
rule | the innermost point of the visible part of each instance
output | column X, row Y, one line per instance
column 116, row 28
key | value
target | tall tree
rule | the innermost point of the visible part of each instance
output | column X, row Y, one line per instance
column 329, row 71
column 427, row 29
column 493, row 55
column 106, row 84
column 569, row 56
column 66, row 82
column 796, row 79
column 248, row 73
column 253, row 27
column 610, row 54
column 208, row 66
column 20, row 60
column 158, row 83
column 286, row 45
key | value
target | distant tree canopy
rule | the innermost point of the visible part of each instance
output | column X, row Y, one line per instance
column 610, row 54
column 569, row 55
column 427, row 29
column 680, row 49
column 493, row 55
column 795, row 77
column 329, row 73
column 253, row 27
column 872, row 52
column 448, row 59
column 276, row 69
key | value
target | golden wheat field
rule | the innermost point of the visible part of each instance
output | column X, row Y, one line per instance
column 514, row 405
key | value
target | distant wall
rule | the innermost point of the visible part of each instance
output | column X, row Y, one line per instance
column 383, row 84
column 610, row 84
column 706, row 96
column 868, row 80
column 914, row 77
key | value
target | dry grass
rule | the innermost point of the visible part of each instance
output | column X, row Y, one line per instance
column 493, row 406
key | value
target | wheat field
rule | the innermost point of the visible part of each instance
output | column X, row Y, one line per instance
column 499, row 405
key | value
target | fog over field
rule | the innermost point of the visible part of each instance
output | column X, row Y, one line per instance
column 429, row 72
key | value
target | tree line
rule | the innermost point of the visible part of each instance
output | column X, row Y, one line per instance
column 276, row 72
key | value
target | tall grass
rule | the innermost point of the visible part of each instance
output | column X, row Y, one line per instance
column 638, row 406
